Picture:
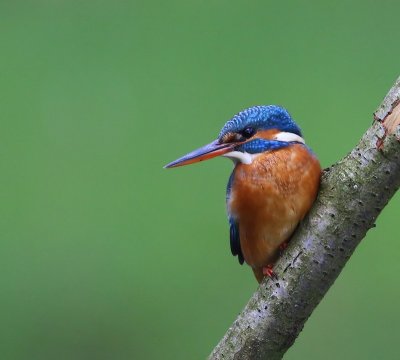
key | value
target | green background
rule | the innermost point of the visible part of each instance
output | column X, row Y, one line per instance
column 106, row 255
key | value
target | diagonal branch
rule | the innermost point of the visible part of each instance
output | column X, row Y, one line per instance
column 353, row 193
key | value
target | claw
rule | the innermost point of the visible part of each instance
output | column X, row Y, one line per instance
column 268, row 271
column 283, row 246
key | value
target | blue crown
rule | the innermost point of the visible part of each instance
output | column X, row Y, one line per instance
column 261, row 117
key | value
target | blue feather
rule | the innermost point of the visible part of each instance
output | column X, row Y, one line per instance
column 233, row 227
column 257, row 146
column 261, row 118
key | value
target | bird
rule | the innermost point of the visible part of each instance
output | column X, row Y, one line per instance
column 273, row 185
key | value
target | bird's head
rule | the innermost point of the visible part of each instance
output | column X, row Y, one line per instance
column 250, row 132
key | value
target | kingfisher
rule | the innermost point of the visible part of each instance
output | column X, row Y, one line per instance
column 273, row 185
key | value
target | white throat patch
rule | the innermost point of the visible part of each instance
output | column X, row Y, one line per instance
column 246, row 158
column 238, row 156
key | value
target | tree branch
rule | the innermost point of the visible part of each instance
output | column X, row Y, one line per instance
column 353, row 192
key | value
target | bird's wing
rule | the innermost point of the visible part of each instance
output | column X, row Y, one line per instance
column 233, row 227
column 235, row 240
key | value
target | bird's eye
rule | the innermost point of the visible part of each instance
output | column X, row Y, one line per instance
column 248, row 132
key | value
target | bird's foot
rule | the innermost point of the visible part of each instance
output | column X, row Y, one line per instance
column 268, row 271
column 282, row 247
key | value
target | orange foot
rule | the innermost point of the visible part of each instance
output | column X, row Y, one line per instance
column 268, row 271
column 283, row 246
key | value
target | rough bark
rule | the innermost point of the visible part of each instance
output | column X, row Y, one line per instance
column 353, row 192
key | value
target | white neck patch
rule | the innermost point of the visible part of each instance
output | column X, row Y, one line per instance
column 288, row 137
column 246, row 158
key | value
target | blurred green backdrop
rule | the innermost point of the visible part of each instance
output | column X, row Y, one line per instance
column 105, row 255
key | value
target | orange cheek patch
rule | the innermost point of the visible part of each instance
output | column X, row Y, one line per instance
column 266, row 134
column 230, row 137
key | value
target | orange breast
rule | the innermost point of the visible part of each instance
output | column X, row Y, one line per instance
column 269, row 197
